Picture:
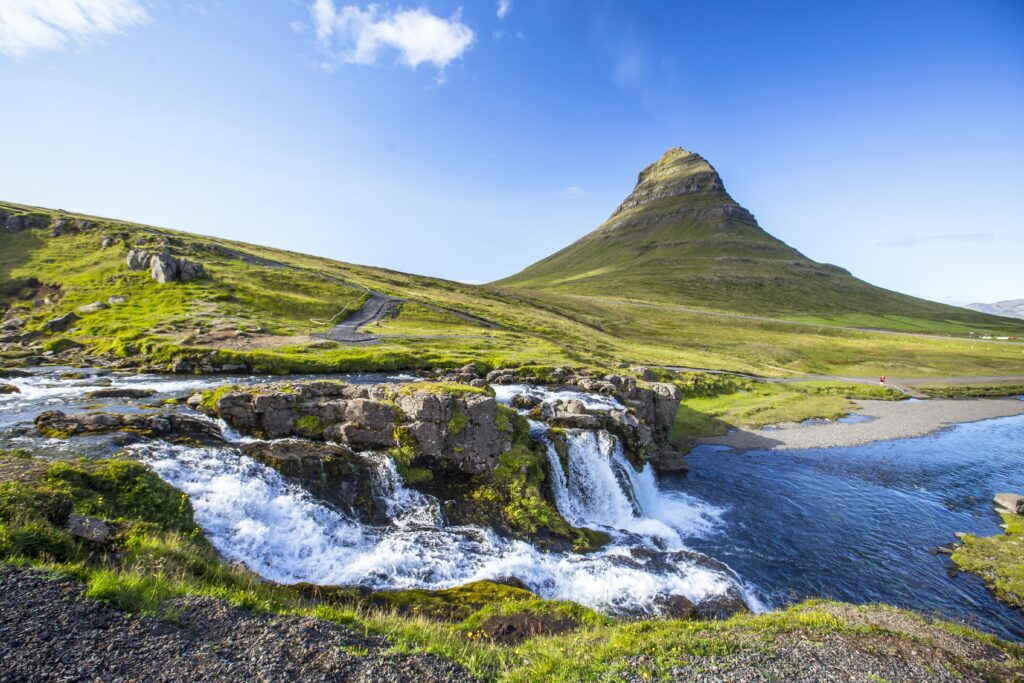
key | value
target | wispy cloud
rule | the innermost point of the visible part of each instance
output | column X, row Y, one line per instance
column 912, row 241
column 28, row 26
column 573, row 193
column 352, row 35
column 504, row 6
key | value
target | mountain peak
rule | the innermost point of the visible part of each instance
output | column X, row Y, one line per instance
column 678, row 172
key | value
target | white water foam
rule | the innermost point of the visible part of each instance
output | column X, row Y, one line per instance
column 604, row 490
column 252, row 515
column 504, row 393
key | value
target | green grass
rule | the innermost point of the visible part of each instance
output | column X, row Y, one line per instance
column 999, row 560
column 972, row 390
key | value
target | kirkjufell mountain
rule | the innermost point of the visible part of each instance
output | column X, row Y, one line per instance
column 679, row 238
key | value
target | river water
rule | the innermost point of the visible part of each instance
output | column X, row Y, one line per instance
column 855, row 524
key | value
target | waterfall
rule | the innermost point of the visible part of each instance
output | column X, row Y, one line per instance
column 405, row 507
column 603, row 490
column 252, row 515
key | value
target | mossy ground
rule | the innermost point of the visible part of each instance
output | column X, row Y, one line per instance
column 999, row 560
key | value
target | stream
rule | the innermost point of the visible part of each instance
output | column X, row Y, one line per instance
column 768, row 528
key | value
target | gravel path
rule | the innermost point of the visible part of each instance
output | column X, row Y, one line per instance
column 50, row 632
column 886, row 420
column 374, row 308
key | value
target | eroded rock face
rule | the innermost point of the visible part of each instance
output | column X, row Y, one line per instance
column 170, row 425
column 457, row 432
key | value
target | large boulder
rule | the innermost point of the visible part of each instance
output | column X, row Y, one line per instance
column 1010, row 502
column 138, row 259
column 164, row 268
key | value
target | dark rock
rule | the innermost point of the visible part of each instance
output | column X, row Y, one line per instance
column 108, row 241
column 677, row 607
column 169, row 426
column 9, row 389
column 525, row 402
column 120, row 392
column 15, row 224
column 330, row 472
column 89, row 528
column 61, row 323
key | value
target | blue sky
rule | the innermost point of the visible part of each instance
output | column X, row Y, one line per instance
column 467, row 140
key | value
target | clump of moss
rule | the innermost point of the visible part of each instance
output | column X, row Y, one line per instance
column 458, row 423
column 450, row 388
column 310, row 426
column 451, row 604
column 211, row 397
column 999, row 560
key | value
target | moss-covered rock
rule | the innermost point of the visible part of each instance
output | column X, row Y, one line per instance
column 332, row 473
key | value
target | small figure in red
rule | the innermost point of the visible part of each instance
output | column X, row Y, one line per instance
column 881, row 380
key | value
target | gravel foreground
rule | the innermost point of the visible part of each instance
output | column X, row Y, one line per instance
column 886, row 420
column 50, row 632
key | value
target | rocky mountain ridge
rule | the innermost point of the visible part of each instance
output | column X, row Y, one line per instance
column 1010, row 308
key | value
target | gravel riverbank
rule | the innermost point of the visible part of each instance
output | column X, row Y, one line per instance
column 879, row 421
column 50, row 632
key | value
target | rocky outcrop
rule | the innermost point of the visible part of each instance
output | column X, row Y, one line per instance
column 460, row 432
column 1009, row 502
column 330, row 472
column 165, row 425
column 25, row 221
column 164, row 267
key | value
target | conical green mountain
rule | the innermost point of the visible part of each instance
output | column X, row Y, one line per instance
column 680, row 239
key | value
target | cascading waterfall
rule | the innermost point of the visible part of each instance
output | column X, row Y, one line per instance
column 252, row 515
column 603, row 490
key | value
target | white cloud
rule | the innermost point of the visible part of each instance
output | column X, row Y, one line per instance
column 28, row 26
column 352, row 35
column 573, row 193
column 503, row 8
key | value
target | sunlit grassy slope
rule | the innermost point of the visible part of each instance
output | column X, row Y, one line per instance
column 273, row 296
column 680, row 239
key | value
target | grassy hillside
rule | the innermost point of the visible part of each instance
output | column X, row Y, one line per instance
column 258, row 307
column 680, row 239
